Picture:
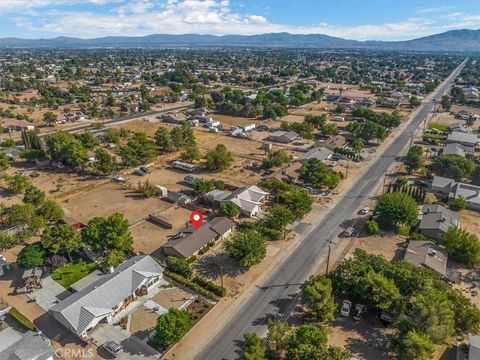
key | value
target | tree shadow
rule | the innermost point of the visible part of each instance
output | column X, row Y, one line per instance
column 212, row 265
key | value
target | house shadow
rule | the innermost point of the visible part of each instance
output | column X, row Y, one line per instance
column 55, row 331
column 211, row 266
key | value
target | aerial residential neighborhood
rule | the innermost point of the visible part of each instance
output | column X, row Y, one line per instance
column 216, row 184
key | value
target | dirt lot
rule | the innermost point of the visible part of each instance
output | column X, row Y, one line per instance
column 109, row 198
column 385, row 244
column 443, row 118
column 172, row 298
column 142, row 321
column 148, row 237
column 366, row 339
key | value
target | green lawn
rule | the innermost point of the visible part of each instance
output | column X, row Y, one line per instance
column 72, row 272
column 439, row 127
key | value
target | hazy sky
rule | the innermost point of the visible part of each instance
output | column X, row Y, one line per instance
column 352, row 19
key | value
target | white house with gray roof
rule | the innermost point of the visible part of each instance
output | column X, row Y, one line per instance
column 249, row 199
column 454, row 190
column 28, row 346
column 462, row 138
column 103, row 299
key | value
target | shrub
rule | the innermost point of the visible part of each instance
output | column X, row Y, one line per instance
column 179, row 266
column 210, row 286
column 460, row 203
column 31, row 255
column 371, row 227
column 189, row 283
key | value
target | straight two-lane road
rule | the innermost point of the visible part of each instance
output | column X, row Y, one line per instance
column 302, row 262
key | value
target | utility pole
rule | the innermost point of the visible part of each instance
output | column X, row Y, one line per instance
column 348, row 165
column 328, row 256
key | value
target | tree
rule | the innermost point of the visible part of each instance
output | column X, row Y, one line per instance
column 446, row 103
column 397, row 208
column 108, row 233
column 460, row 203
column 147, row 189
column 191, row 152
column 462, row 246
column 33, row 196
column 104, row 162
column 315, row 120
column 371, row 227
column 61, row 239
column 179, row 266
column 56, row 261
column 31, row 256
column 49, row 118
column 358, row 145
column 308, row 342
column 253, row 349
column 318, row 174
column 276, row 158
column 341, row 108
column 278, row 334
column 414, row 159
column 229, row 209
column 414, row 102
column 164, row 140
column 17, row 183
column 298, row 201
column 50, row 210
column 319, row 299
column 453, row 166
column 219, row 158
column 4, row 161
column 247, row 247
column 112, row 258
column 415, row 345
column 384, row 291
column 329, row 129
column 171, row 327
column 278, row 217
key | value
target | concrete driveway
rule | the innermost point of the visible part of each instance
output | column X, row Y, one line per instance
column 133, row 348
column 50, row 294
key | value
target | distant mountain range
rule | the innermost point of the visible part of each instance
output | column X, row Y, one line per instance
column 455, row 41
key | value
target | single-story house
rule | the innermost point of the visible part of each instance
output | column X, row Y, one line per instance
column 110, row 294
column 174, row 118
column 442, row 185
column 427, row 254
column 284, row 137
column 460, row 127
column 455, row 190
column 189, row 241
column 462, row 138
column 12, row 153
column 14, row 124
column 248, row 199
column 217, row 196
column 469, row 192
column 178, row 198
column 435, row 220
column 319, row 153
column 453, row 149
column 24, row 346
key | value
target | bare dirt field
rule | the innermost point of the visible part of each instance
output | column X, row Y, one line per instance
column 443, row 118
column 142, row 321
column 148, row 237
column 172, row 298
column 458, row 108
column 229, row 121
column 469, row 221
column 385, row 244
column 109, row 198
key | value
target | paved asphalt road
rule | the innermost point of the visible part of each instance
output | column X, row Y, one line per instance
column 276, row 294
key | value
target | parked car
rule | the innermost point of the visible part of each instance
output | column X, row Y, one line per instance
column 333, row 163
column 112, row 348
column 346, row 308
column 365, row 210
column 138, row 172
column 144, row 169
column 118, row 178
column 349, row 232
column 358, row 312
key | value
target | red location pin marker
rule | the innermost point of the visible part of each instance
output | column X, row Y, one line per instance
column 196, row 219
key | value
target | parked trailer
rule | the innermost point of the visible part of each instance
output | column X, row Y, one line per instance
column 249, row 127
column 180, row 165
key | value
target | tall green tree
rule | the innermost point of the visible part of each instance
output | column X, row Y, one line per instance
column 253, row 349
column 61, row 239
column 219, row 158
column 415, row 345
column 462, row 246
column 171, row 327
column 397, row 208
column 247, row 247
column 319, row 299
column 104, row 162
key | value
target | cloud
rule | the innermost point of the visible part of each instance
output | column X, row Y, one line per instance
column 144, row 17
column 434, row 9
